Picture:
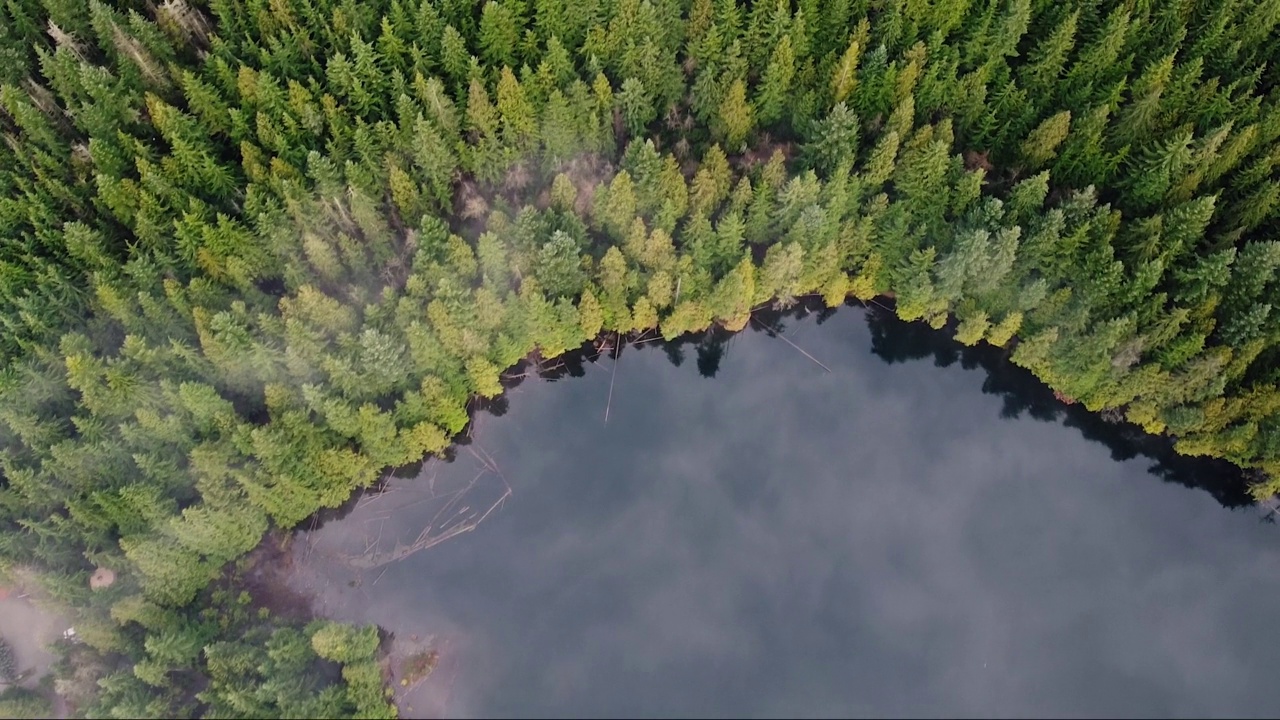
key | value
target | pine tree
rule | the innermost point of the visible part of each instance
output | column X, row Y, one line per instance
column 637, row 106
column 455, row 59
column 644, row 317
column 435, row 161
column 972, row 328
column 591, row 314
column 517, row 116
column 844, row 78
column 1083, row 160
column 833, row 142
column 1139, row 118
column 915, row 286
column 780, row 277
column 1003, row 331
column 1157, row 168
column 1099, row 59
column 733, row 296
column 499, row 34
column 772, row 95
column 482, row 116
column 881, row 162
column 558, row 132
column 736, row 117
column 616, row 207
column 1041, row 145
column 558, row 268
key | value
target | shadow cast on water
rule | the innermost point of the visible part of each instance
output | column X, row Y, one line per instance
column 893, row 341
column 896, row 341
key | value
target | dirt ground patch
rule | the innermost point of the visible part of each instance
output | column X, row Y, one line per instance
column 266, row 570
column 761, row 153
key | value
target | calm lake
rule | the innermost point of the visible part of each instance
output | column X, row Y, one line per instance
column 924, row 530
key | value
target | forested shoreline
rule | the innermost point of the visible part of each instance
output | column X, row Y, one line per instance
column 256, row 252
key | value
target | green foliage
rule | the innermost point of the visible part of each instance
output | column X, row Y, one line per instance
column 276, row 673
column 344, row 643
column 1042, row 143
column 8, row 662
column 973, row 328
column 172, row 574
column 834, row 141
column 23, row 704
column 737, row 117
column 558, row 267
column 253, row 256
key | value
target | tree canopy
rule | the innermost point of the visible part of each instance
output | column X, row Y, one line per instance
column 258, row 251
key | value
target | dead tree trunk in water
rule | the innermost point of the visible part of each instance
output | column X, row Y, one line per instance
column 450, row 521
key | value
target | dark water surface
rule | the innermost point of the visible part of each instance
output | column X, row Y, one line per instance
column 890, row 538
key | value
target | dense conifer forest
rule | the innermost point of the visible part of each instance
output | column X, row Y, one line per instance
column 253, row 253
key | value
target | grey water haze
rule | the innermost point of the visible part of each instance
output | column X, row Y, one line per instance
column 882, row 539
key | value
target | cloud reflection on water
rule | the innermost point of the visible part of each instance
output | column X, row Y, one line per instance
column 783, row 541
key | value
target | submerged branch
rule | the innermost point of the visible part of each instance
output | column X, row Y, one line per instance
column 448, row 522
column 785, row 339
column 617, row 357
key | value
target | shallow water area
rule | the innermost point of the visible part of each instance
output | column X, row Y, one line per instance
column 888, row 538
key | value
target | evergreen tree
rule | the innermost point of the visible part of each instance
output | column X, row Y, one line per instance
column 1041, row 145
column 257, row 251
column 500, row 30
column 771, row 98
column 637, row 107
column 833, row 142
column 737, row 117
